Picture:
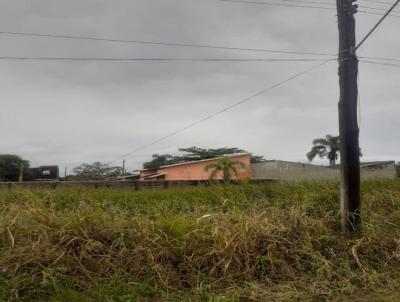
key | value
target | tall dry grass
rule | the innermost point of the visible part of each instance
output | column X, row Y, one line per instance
column 221, row 243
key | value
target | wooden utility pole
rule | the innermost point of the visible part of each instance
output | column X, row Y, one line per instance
column 348, row 125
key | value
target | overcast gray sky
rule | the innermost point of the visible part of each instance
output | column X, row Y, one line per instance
column 67, row 113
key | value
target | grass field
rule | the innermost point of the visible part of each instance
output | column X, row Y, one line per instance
column 214, row 244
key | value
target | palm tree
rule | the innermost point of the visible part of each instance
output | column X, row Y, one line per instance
column 225, row 165
column 325, row 147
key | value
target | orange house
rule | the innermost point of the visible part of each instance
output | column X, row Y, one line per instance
column 195, row 170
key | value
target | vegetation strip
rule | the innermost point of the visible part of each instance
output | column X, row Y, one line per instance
column 220, row 243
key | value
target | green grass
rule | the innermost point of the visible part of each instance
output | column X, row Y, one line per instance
column 214, row 244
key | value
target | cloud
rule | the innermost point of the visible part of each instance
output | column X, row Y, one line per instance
column 74, row 112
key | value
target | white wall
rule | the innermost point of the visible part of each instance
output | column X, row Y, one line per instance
column 291, row 171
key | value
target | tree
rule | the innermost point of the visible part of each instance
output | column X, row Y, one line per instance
column 226, row 166
column 325, row 147
column 97, row 170
column 398, row 169
column 158, row 161
column 194, row 154
column 255, row 159
column 10, row 167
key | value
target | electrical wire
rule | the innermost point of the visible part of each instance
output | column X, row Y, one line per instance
column 307, row 2
column 62, row 36
column 301, row 6
column 380, row 63
column 332, row 2
column 378, row 2
column 155, row 59
column 186, row 45
column 380, row 59
column 325, row 3
column 210, row 116
column 377, row 14
column 377, row 25
column 278, row 4
column 377, row 8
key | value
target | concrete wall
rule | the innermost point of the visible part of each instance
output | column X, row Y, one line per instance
column 291, row 171
column 124, row 185
column 385, row 171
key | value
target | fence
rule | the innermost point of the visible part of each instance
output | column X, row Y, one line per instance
column 126, row 185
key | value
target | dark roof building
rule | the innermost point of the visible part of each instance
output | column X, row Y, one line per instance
column 43, row 173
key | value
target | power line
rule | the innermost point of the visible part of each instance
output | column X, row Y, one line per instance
column 377, row 8
column 184, row 45
column 378, row 2
column 380, row 63
column 277, row 4
column 372, row 1
column 380, row 58
column 307, row 2
column 377, row 14
column 334, row 3
column 53, row 59
column 323, row 3
column 377, row 24
column 155, row 59
column 75, row 37
column 301, row 6
column 210, row 116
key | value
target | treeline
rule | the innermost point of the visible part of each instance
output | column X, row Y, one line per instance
column 194, row 154
column 12, row 166
column 96, row 171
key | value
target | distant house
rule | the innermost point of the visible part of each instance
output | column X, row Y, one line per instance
column 43, row 173
column 296, row 171
column 194, row 170
column 378, row 169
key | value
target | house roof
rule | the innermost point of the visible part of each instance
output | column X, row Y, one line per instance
column 129, row 176
column 290, row 162
column 155, row 175
column 198, row 161
column 377, row 163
